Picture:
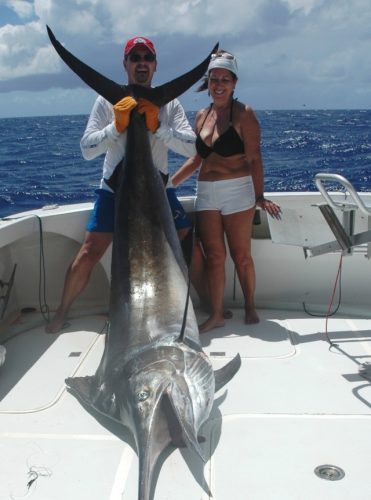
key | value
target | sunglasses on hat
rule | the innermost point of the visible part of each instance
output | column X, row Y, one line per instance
column 224, row 55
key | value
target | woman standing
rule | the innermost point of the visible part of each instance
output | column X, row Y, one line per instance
column 230, row 185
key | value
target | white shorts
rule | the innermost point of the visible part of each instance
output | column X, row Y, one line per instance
column 228, row 196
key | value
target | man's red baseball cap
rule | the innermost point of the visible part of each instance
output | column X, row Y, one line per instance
column 139, row 41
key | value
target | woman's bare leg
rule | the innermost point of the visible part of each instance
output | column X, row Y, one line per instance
column 212, row 236
column 238, row 229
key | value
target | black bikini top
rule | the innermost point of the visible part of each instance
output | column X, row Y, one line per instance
column 227, row 144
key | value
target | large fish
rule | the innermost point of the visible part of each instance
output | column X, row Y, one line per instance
column 154, row 377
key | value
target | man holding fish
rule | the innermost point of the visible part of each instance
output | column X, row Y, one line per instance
column 106, row 134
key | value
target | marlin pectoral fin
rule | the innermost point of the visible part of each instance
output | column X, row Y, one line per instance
column 81, row 387
column 86, row 389
column 182, row 408
column 107, row 88
column 225, row 374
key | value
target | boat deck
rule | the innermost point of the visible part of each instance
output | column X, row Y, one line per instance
column 297, row 403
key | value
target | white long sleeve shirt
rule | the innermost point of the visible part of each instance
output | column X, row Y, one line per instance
column 101, row 137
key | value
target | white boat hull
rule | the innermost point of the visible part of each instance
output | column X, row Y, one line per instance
column 297, row 403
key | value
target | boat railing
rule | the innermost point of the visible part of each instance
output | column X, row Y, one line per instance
column 347, row 217
column 345, row 205
column 343, row 229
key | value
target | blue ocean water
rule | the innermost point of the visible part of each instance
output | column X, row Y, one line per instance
column 41, row 162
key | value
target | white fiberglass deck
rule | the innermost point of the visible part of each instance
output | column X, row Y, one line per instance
column 295, row 404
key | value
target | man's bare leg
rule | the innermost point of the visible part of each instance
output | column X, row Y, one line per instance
column 78, row 274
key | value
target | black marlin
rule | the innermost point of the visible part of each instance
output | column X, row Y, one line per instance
column 154, row 377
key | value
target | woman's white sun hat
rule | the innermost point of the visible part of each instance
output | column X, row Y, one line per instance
column 223, row 60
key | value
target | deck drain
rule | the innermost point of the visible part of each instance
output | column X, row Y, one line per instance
column 329, row 472
column 74, row 354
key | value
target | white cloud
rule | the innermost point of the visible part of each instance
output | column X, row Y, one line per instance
column 78, row 17
column 23, row 52
column 305, row 5
column 22, row 8
column 283, row 46
column 199, row 17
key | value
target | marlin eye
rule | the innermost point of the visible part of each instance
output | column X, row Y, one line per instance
column 142, row 395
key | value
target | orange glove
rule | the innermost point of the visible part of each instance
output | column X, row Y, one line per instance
column 122, row 110
column 151, row 112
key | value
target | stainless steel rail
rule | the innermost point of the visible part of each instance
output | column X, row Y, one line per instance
column 344, row 205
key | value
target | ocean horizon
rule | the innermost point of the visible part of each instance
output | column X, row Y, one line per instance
column 41, row 161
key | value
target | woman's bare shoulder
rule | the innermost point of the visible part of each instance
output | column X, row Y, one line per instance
column 200, row 116
column 244, row 115
column 201, row 112
column 244, row 109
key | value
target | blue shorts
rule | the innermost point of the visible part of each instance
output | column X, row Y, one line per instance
column 102, row 216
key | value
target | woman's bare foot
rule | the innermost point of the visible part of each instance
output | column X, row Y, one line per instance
column 212, row 322
column 205, row 306
column 251, row 316
column 57, row 323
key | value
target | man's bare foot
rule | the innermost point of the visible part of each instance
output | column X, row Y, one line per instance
column 212, row 322
column 251, row 316
column 57, row 323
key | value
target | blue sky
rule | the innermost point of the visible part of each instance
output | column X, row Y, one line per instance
column 7, row 15
column 292, row 54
